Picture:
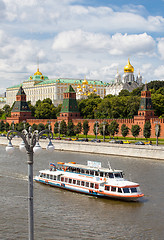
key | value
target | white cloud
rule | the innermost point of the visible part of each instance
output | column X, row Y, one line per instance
column 161, row 47
column 132, row 44
column 86, row 40
column 118, row 44
column 159, row 72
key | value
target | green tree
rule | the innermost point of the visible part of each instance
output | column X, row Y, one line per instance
column 41, row 127
column 113, row 128
column 85, row 127
column 6, row 111
column 124, row 92
column 78, row 128
column 70, row 129
column 20, row 126
column 63, row 127
column 7, row 126
column 147, row 129
column 88, row 106
column 158, row 104
column 2, row 126
column 32, row 108
column 155, row 85
column 45, row 109
column 135, row 130
column 56, row 127
column 124, row 130
column 34, row 127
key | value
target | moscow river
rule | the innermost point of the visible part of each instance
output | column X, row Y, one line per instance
column 64, row 215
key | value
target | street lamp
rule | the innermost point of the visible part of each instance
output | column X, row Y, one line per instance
column 59, row 128
column 103, row 131
column 30, row 145
column 96, row 128
column 157, row 131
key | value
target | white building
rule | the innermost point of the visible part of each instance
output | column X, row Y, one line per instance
column 127, row 82
column 39, row 87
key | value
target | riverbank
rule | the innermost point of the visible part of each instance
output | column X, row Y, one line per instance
column 128, row 150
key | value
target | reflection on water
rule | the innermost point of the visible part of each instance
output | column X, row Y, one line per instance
column 65, row 215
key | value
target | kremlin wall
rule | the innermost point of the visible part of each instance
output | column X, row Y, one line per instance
column 69, row 111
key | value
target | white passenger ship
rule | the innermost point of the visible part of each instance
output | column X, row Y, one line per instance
column 90, row 179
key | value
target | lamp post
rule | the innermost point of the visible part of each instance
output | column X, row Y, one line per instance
column 30, row 145
column 103, row 131
column 96, row 129
column 157, row 131
column 59, row 128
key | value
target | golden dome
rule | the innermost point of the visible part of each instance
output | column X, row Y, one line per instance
column 95, row 90
column 84, row 86
column 91, row 86
column 79, row 86
column 85, row 81
column 128, row 67
column 38, row 73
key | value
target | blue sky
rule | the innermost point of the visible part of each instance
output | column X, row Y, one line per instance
column 78, row 38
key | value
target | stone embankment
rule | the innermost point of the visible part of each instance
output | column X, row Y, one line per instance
column 128, row 150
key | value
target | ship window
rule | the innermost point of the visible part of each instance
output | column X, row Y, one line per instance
column 70, row 180
column 91, row 172
column 92, row 185
column 107, row 188
column 82, row 183
column 119, row 190
column 113, row 189
column 82, row 170
column 117, row 175
column 66, row 179
column 96, row 173
column 133, row 190
column 96, row 186
column 87, row 184
column 74, row 181
column 126, row 190
column 111, row 175
column 101, row 174
column 51, row 177
column 41, row 174
column 62, row 179
column 106, row 174
column 47, row 175
column 54, row 177
column 87, row 172
column 78, row 182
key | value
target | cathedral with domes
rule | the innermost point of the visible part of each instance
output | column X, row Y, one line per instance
column 127, row 82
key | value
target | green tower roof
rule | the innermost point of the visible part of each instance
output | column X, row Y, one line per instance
column 70, row 89
column 69, row 104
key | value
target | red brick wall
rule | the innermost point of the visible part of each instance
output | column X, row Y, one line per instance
column 128, row 122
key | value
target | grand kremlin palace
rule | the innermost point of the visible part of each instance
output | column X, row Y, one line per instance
column 39, row 87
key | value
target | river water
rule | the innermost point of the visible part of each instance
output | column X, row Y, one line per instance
column 64, row 215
